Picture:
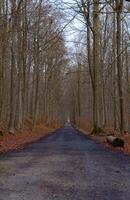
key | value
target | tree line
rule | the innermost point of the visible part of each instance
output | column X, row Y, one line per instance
column 101, row 70
column 32, row 57
column 42, row 78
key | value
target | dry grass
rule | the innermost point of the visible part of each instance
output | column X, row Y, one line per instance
column 84, row 125
column 53, row 124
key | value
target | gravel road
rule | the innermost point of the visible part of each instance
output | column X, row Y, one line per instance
column 65, row 166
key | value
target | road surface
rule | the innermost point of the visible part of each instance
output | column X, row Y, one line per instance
column 65, row 166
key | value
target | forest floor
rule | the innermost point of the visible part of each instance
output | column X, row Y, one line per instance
column 22, row 137
column 102, row 139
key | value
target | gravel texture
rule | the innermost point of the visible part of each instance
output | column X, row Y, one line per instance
column 65, row 166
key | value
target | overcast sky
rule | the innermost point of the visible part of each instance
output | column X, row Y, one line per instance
column 75, row 29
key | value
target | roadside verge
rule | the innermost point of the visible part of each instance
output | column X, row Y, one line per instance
column 102, row 140
column 21, row 138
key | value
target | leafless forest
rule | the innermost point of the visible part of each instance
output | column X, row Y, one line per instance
column 62, row 59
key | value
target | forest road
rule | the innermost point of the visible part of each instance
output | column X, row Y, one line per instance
column 65, row 166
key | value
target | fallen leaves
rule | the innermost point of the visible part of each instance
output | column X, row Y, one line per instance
column 20, row 138
column 102, row 139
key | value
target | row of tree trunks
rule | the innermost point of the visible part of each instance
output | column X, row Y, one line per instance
column 30, row 41
column 107, row 61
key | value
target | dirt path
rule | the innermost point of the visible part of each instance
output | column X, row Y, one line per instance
column 65, row 166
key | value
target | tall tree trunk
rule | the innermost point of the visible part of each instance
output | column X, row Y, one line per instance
column 13, row 63
column 114, row 74
column 96, row 64
column 119, row 5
